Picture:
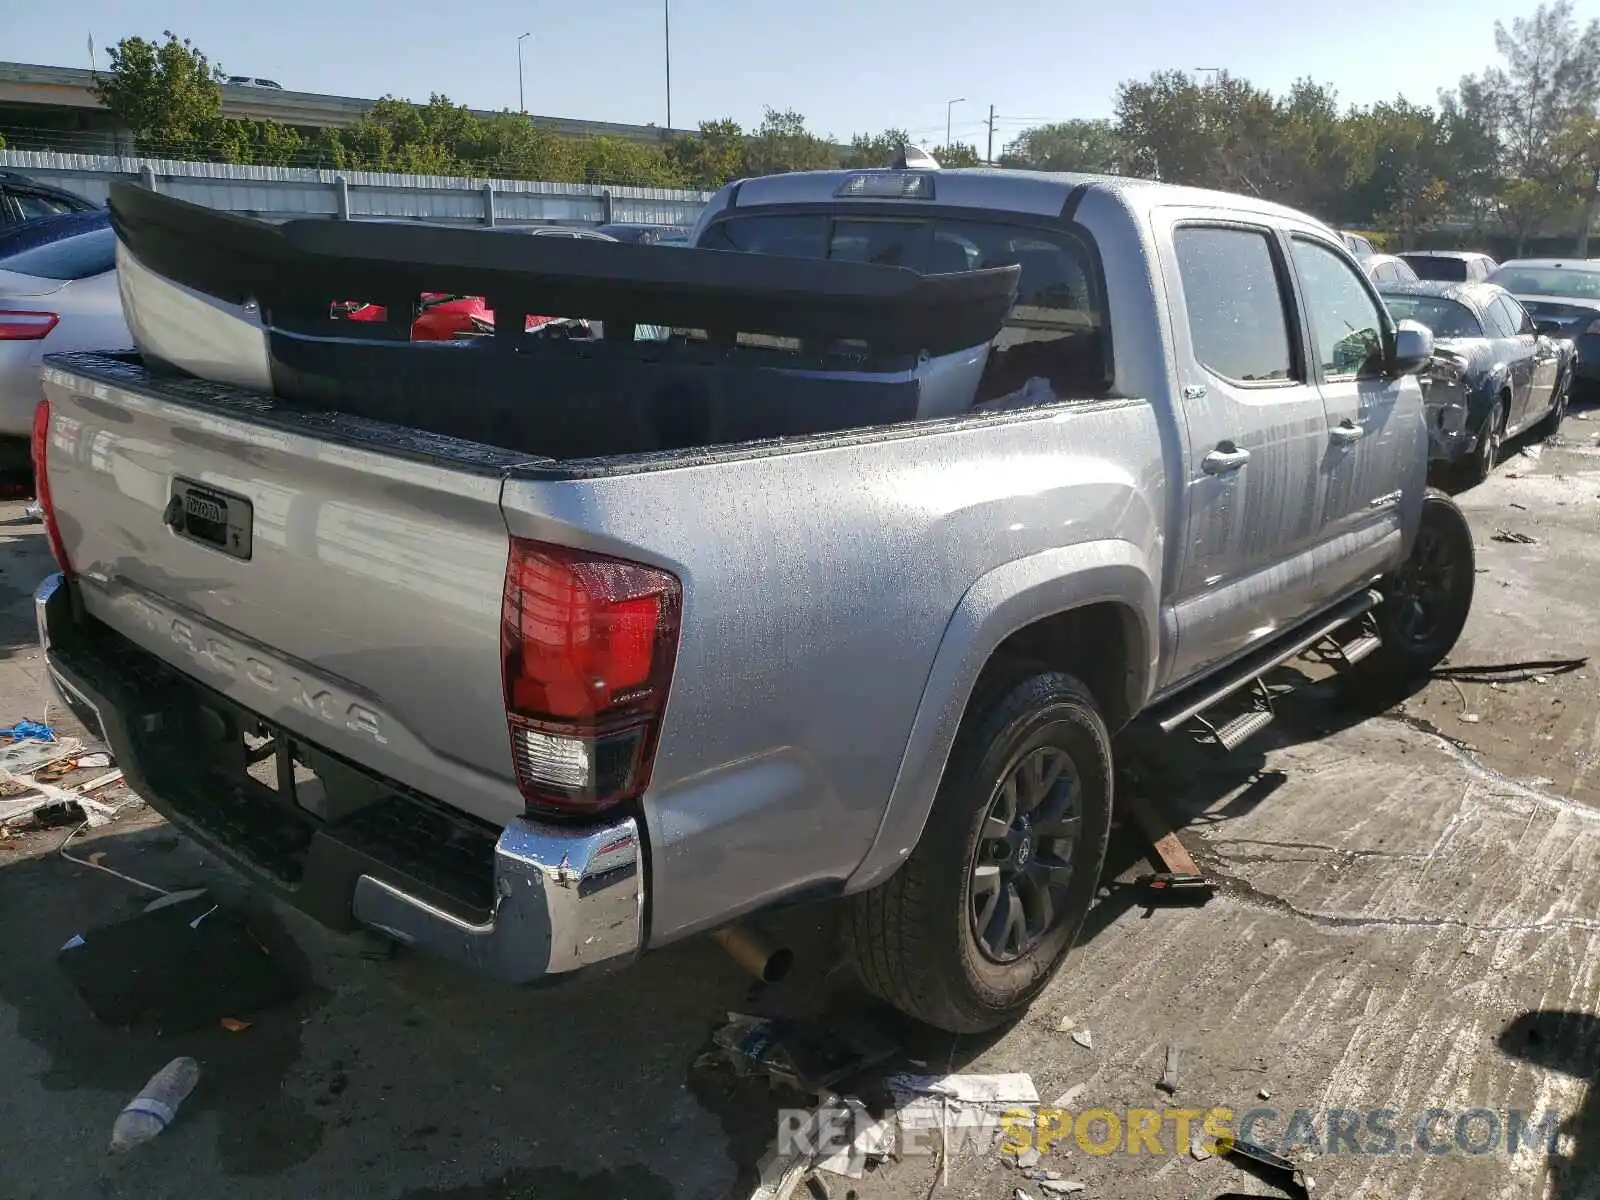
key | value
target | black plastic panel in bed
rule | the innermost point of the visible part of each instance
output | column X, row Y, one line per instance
column 296, row 270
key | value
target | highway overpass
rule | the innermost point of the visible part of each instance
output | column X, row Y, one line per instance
column 60, row 104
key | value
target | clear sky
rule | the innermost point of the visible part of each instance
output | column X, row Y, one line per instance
column 847, row 65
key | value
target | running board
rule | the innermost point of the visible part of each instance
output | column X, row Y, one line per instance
column 1249, row 671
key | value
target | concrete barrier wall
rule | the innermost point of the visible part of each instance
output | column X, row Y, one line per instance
column 282, row 193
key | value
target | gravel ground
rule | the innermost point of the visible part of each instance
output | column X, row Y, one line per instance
column 1407, row 922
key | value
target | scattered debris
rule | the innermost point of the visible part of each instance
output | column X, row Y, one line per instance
column 183, row 963
column 813, row 1056
column 234, row 1025
column 1523, row 507
column 1067, row 1097
column 874, row 1143
column 1168, row 1082
column 1026, row 1160
column 1061, row 1187
column 153, row 1109
column 1042, row 1175
column 87, row 761
column 817, row 1188
column 1517, row 539
column 1197, row 1148
column 1166, row 888
column 36, row 731
column 1065, row 1024
column 1021, row 1194
column 1470, row 718
column 1264, row 1094
column 1541, row 679
column 1280, row 1170
column 1583, row 416
column 1084, row 1038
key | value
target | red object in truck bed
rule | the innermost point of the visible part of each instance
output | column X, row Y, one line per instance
column 441, row 319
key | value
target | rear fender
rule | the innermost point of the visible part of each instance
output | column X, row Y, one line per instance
column 1001, row 602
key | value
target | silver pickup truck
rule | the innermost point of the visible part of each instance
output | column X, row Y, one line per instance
column 838, row 592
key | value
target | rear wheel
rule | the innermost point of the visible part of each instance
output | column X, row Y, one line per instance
column 1487, row 453
column 972, row 926
column 1426, row 602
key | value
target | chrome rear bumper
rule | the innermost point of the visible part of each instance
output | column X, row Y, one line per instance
column 565, row 900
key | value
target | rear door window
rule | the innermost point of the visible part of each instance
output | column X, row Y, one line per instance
column 1237, row 322
column 75, row 257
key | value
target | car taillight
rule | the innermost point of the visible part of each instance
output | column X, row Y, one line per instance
column 22, row 326
column 587, row 646
column 41, row 484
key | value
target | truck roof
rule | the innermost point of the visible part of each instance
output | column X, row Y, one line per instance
column 1041, row 193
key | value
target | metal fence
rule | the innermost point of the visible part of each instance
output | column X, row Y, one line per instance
column 281, row 193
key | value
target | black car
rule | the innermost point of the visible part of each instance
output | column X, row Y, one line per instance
column 1451, row 266
column 644, row 235
column 1563, row 295
column 1493, row 374
column 24, row 199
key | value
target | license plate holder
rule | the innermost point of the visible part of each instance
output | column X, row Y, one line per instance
column 211, row 518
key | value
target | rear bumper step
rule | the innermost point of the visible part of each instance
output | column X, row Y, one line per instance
column 530, row 901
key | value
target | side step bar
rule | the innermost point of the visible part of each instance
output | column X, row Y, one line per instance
column 1250, row 670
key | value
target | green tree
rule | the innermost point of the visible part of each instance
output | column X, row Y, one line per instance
column 876, row 149
column 958, row 154
column 783, row 143
column 1551, row 75
column 165, row 93
column 616, row 160
column 712, row 157
column 1398, row 175
column 1091, row 146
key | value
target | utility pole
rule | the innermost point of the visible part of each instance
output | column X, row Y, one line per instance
column 666, row 16
column 522, row 103
column 989, row 154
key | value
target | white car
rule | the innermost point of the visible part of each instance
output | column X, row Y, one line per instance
column 55, row 297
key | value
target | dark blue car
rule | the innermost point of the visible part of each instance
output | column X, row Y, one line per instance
column 25, row 235
column 1493, row 374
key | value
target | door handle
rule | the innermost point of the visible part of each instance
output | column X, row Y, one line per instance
column 1347, row 432
column 1225, row 458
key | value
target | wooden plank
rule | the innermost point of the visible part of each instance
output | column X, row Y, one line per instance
column 1165, row 849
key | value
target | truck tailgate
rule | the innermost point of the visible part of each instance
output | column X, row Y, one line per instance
column 345, row 593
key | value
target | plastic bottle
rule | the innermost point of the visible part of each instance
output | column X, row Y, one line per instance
column 152, row 1110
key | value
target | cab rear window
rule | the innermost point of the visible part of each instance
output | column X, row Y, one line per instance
column 1056, row 328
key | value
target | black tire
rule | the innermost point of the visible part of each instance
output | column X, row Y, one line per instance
column 1426, row 602
column 1550, row 424
column 1487, row 452
column 913, row 939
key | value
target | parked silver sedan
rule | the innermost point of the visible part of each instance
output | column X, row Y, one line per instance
column 58, row 296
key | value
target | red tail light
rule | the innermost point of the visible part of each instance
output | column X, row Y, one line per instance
column 587, row 645
column 41, row 484
column 18, row 326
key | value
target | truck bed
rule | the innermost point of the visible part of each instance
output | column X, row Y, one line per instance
column 819, row 577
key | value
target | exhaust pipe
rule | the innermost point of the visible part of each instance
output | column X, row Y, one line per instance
column 750, row 949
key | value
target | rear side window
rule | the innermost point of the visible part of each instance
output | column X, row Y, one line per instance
column 1237, row 322
column 1499, row 319
column 75, row 257
column 1448, row 270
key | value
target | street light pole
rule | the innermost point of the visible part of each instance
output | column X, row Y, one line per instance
column 666, row 21
column 522, row 104
column 948, row 105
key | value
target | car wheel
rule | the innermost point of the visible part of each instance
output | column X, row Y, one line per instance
column 974, row 923
column 1427, row 600
column 1550, row 425
column 1487, row 454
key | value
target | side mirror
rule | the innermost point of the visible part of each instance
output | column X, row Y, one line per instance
column 1413, row 348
